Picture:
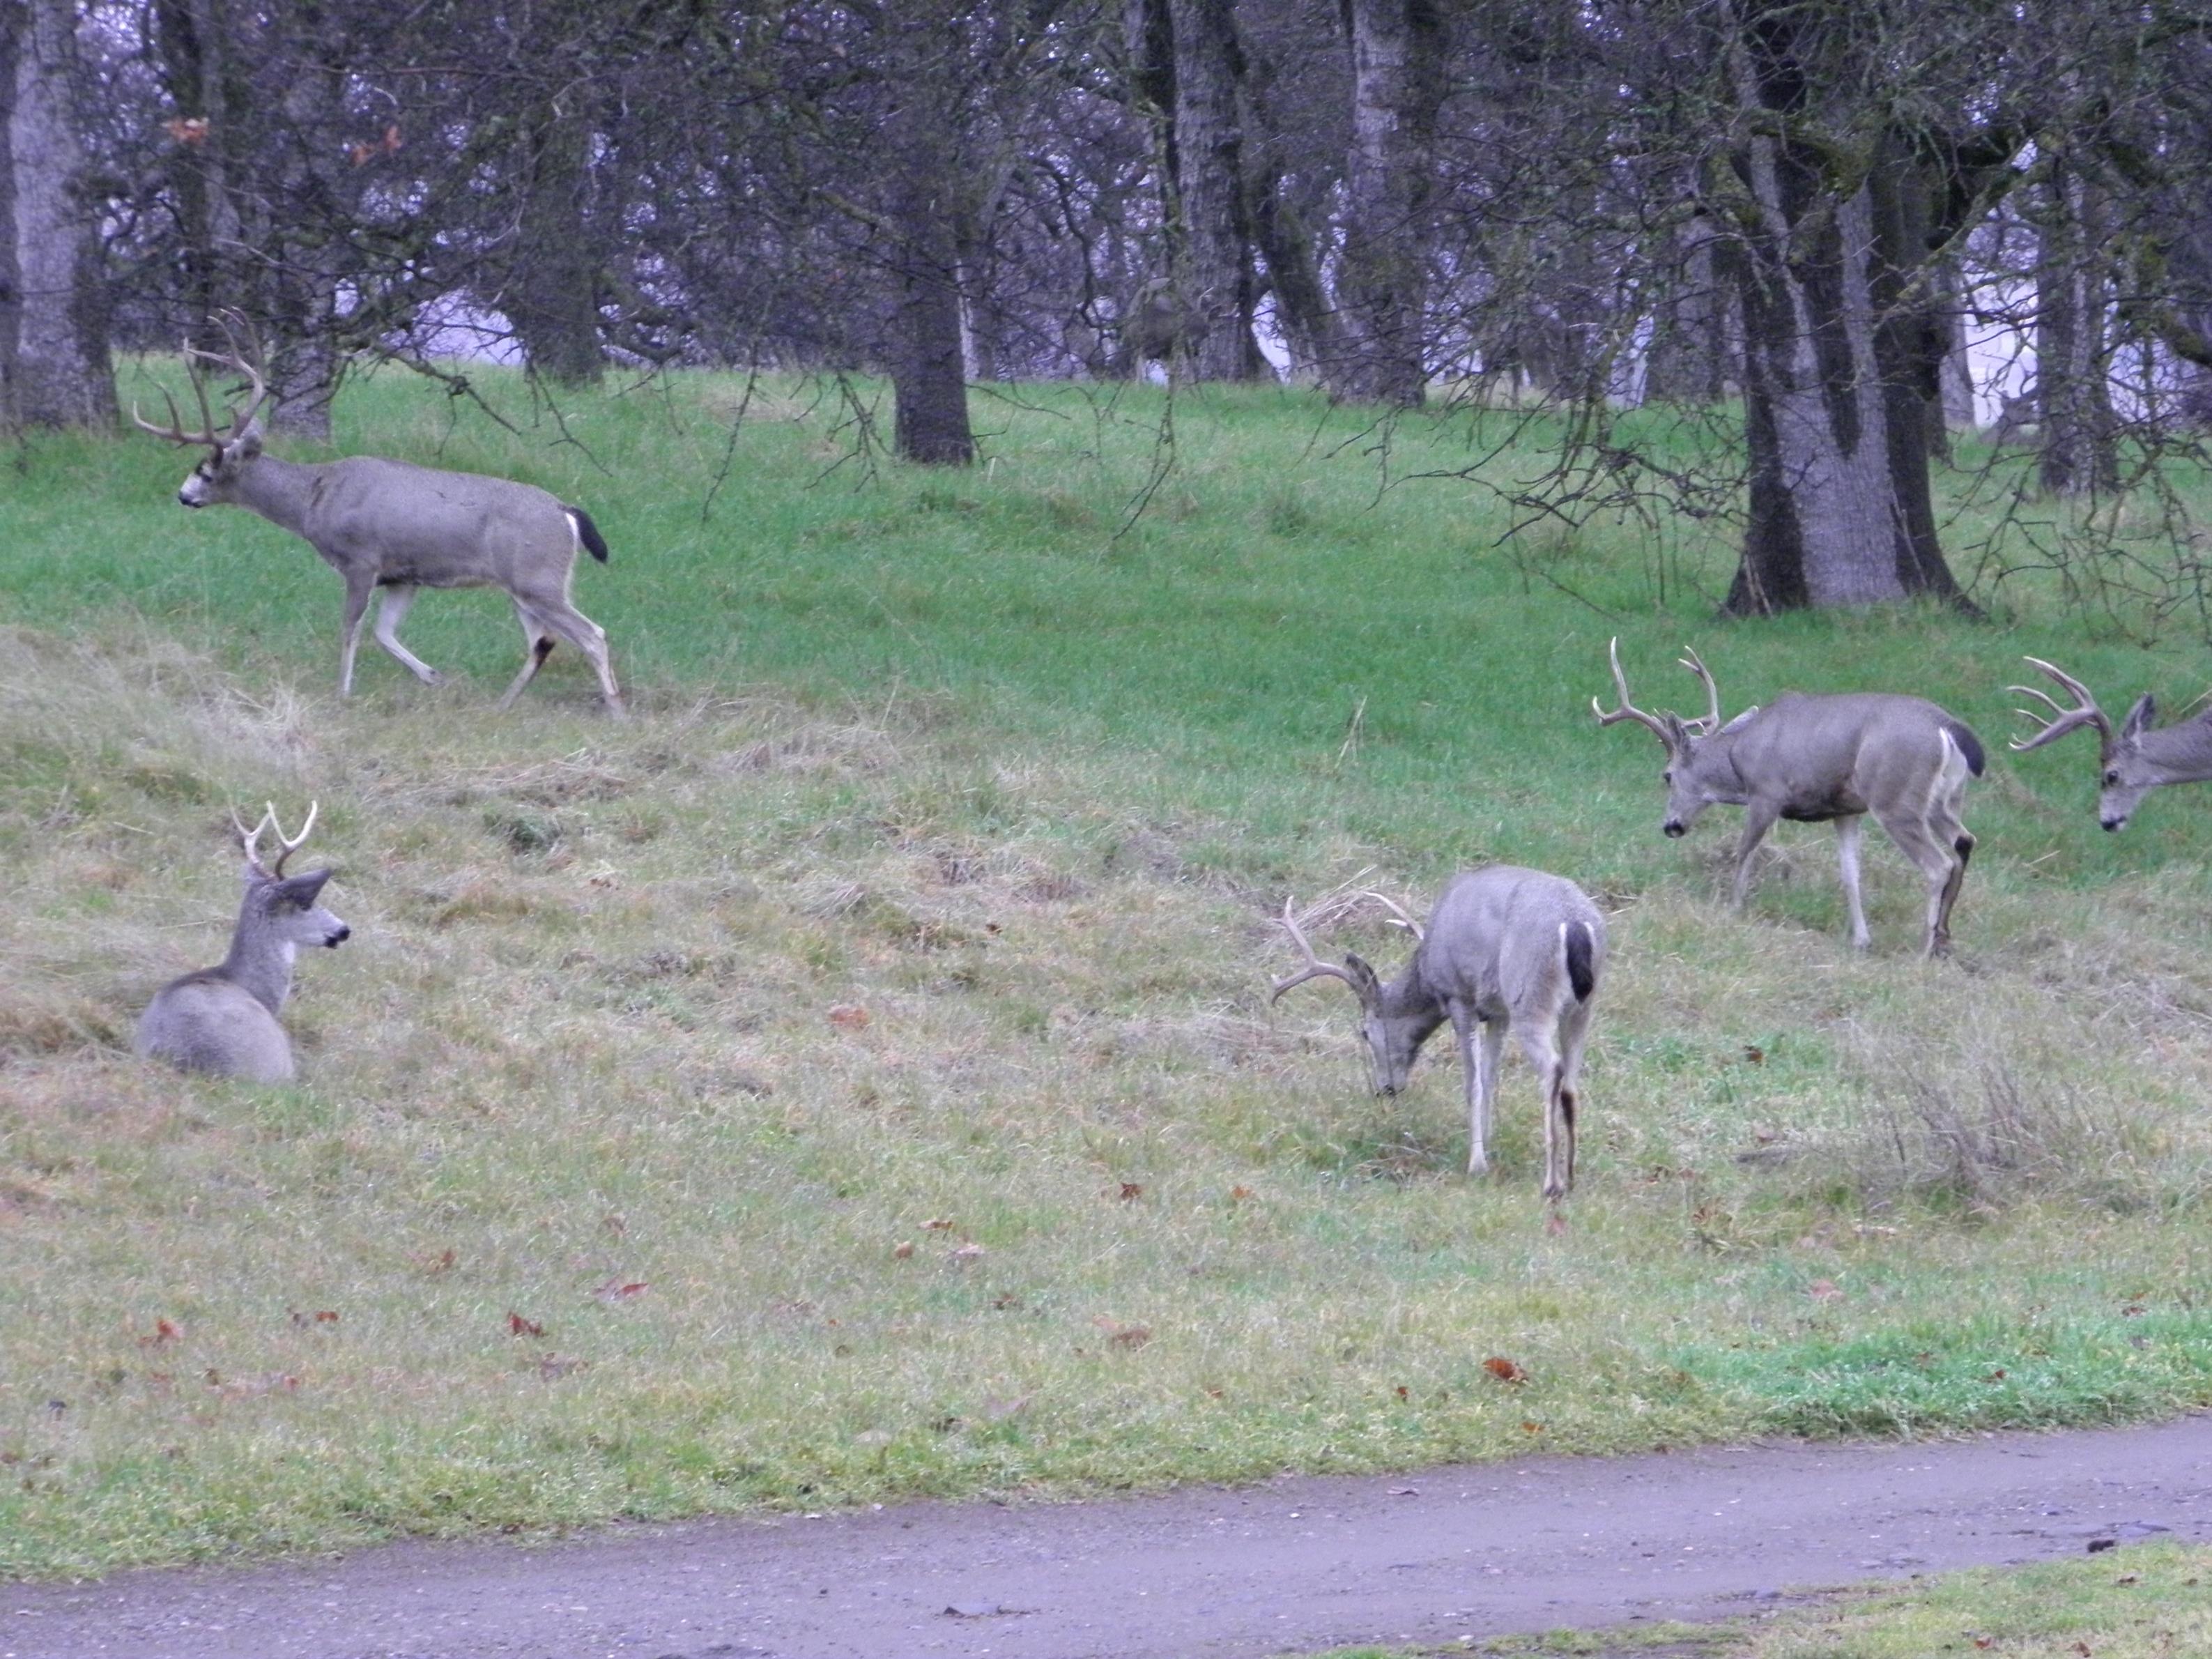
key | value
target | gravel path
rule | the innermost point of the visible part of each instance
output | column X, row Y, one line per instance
column 1295, row 1565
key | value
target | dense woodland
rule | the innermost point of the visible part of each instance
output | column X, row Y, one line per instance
column 1731, row 251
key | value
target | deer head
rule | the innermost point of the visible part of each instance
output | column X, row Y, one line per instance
column 215, row 478
column 286, row 910
column 2126, row 773
column 1697, row 776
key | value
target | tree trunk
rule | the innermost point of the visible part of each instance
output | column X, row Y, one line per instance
column 304, row 246
column 929, row 385
column 1214, row 289
column 1693, row 346
column 1398, row 55
column 1838, row 377
column 552, row 288
column 59, row 373
column 2073, row 395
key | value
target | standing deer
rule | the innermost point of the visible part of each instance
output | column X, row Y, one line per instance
column 2135, row 761
column 222, row 1019
column 400, row 527
column 1819, row 758
column 1504, row 947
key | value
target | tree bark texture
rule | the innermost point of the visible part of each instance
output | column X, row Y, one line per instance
column 2073, row 391
column 1398, row 54
column 552, row 287
column 929, row 385
column 1210, row 258
column 1696, row 345
column 1838, row 376
column 59, row 371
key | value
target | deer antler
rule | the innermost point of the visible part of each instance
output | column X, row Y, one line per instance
column 1397, row 912
column 238, row 358
column 1711, row 723
column 1314, row 968
column 252, row 838
column 1627, row 711
column 2063, row 719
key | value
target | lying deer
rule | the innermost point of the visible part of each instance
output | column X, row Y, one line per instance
column 1827, row 758
column 399, row 527
column 1504, row 948
column 222, row 1019
column 2136, row 759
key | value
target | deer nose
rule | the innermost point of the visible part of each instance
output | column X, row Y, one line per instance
column 2114, row 824
column 340, row 937
column 1675, row 829
column 183, row 500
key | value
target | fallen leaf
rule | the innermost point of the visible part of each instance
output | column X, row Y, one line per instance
column 1007, row 1303
column 320, row 1316
column 1401, row 1393
column 1120, row 1336
column 1555, row 1225
column 517, row 1326
column 1997, row 1376
column 938, row 1225
column 1132, row 1189
column 1528, row 1427
column 615, row 1291
column 1504, row 1370
column 1985, row 1641
column 433, row 1265
column 1754, row 1053
column 165, row 1331
column 850, row 1015
column 1240, row 1194
column 2129, row 1578
column 967, row 1253
column 902, row 1249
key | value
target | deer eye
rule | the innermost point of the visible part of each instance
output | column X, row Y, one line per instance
column 2111, row 780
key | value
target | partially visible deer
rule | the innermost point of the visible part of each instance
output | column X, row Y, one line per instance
column 400, row 527
column 1815, row 759
column 1505, row 948
column 222, row 1019
column 2135, row 759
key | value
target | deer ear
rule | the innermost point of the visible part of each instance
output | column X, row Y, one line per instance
column 302, row 889
column 247, row 445
column 2139, row 718
column 1677, row 733
column 1736, row 724
column 1364, row 980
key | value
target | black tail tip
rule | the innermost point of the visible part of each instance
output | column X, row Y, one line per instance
column 1971, row 747
column 1582, row 967
column 586, row 531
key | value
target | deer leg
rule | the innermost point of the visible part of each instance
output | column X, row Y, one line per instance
column 356, row 612
column 588, row 637
column 1944, row 867
column 1482, row 1040
column 1551, row 1077
column 1574, row 1032
column 1757, row 819
column 389, row 615
column 1848, row 831
column 537, row 645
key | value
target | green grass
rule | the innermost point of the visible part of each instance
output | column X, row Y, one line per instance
column 932, row 885
column 2144, row 1603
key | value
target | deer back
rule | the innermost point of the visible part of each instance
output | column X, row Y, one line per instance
column 439, row 529
column 205, row 1022
column 1826, row 757
column 1494, row 940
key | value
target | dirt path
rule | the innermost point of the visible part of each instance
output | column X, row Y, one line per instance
column 1295, row 1565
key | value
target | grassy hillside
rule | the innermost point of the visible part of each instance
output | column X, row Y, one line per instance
column 888, row 1001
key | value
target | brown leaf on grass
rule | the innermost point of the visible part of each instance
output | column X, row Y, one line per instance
column 902, row 1250
column 1755, row 1054
column 320, row 1316
column 1996, row 1375
column 938, row 1225
column 849, row 1016
column 1240, row 1194
column 1400, row 1392
column 1529, row 1427
column 969, row 1252
column 441, row 1263
column 1132, row 1190
column 1504, row 1370
column 1120, row 1336
column 553, row 1366
column 616, row 1291
column 1008, row 1302
column 165, row 1332
column 1555, row 1225
column 517, row 1326
column 1823, row 1290
column 1985, row 1641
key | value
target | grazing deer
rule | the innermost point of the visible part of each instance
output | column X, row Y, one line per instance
column 1826, row 758
column 399, row 527
column 222, row 1019
column 2136, row 760
column 1504, row 947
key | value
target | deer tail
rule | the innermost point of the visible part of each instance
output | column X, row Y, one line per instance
column 596, row 544
column 1969, row 745
column 1581, row 951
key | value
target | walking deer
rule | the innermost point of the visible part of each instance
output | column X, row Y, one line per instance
column 400, row 527
column 2134, row 760
column 222, row 1019
column 1505, row 948
column 1824, row 758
